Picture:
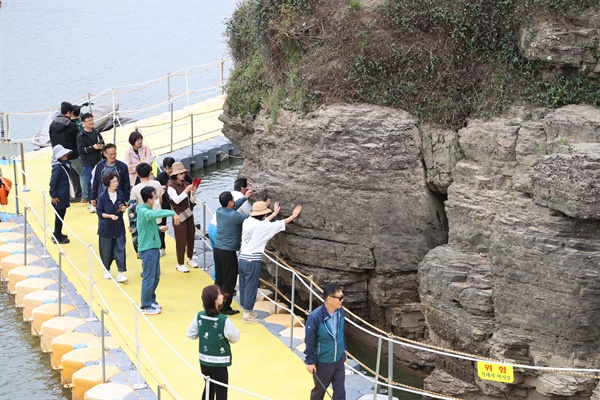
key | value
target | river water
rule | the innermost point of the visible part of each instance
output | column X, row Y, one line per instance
column 52, row 51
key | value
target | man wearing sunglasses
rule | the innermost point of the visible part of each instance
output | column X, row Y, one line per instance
column 326, row 344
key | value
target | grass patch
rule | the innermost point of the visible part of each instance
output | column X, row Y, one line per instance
column 442, row 60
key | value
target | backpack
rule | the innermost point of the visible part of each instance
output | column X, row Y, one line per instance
column 5, row 186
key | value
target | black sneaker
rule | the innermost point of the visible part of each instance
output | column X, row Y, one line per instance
column 62, row 240
column 230, row 311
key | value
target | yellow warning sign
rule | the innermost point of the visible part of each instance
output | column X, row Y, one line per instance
column 495, row 372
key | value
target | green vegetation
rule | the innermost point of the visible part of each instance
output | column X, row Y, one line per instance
column 441, row 60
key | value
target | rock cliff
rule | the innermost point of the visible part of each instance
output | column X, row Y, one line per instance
column 485, row 240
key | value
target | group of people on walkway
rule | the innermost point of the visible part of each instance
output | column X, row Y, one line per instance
column 85, row 169
column 240, row 235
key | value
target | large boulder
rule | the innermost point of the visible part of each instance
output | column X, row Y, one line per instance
column 368, row 216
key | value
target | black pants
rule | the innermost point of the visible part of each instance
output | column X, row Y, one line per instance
column 58, row 225
column 218, row 374
column 329, row 373
column 226, row 268
column 163, row 222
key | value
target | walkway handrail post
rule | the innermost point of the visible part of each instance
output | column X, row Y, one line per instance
column 187, row 87
column 14, row 160
column 192, row 134
column 45, row 203
column 60, row 256
column 377, row 368
column 158, row 390
column 292, row 302
column 171, row 109
column 114, row 116
column 91, row 279
column 169, row 90
column 207, row 388
column 310, row 295
column 25, row 236
column 103, row 346
column 204, row 231
column 24, row 177
column 276, row 284
column 222, row 76
column 390, row 367
column 137, row 385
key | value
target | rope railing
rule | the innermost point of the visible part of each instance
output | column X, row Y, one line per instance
column 379, row 333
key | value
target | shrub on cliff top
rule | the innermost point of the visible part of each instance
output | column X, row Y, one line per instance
column 441, row 60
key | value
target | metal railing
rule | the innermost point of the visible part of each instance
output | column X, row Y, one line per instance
column 180, row 91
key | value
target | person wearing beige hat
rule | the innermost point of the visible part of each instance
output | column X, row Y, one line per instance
column 256, row 232
column 181, row 197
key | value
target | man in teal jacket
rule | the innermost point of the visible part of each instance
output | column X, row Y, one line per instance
column 326, row 344
column 148, row 247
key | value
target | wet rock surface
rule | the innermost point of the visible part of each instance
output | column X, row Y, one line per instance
column 485, row 240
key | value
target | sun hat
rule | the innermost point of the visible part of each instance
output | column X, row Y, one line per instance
column 178, row 168
column 260, row 208
column 59, row 151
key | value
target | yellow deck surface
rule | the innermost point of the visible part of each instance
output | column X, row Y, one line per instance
column 262, row 364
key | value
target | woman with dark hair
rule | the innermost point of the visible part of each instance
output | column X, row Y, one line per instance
column 137, row 153
column 181, row 197
column 216, row 332
column 111, row 227
column 163, row 179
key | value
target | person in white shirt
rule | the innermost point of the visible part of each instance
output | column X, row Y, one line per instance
column 256, row 232
column 240, row 187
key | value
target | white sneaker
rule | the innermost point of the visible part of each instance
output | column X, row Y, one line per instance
column 182, row 268
column 92, row 209
column 107, row 274
column 194, row 257
column 192, row 263
column 151, row 311
column 253, row 314
column 156, row 305
column 121, row 278
column 163, row 252
column 249, row 319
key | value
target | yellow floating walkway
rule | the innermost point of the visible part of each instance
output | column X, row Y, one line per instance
column 262, row 364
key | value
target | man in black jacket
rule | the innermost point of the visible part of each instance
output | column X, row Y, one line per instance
column 89, row 145
column 64, row 131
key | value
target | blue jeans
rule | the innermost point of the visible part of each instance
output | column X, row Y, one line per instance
column 150, row 275
column 85, row 188
column 249, row 272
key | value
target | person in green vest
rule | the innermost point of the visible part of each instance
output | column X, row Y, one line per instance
column 216, row 332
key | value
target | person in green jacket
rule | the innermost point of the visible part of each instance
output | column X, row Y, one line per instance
column 215, row 331
column 148, row 247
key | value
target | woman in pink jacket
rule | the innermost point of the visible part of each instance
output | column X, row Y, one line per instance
column 137, row 153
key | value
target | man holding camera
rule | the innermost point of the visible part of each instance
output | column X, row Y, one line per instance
column 89, row 145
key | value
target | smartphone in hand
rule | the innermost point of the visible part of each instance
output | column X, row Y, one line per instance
column 196, row 182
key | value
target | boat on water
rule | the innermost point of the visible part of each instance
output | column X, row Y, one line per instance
column 104, row 119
